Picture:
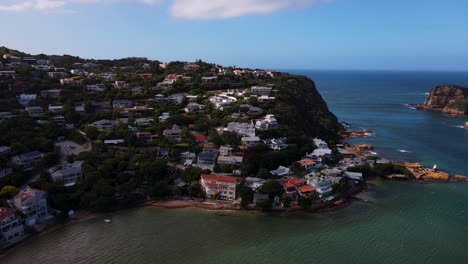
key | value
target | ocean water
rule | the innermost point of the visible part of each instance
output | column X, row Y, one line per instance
column 400, row 222
column 378, row 101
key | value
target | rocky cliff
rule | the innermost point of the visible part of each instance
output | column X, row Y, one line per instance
column 450, row 99
column 301, row 107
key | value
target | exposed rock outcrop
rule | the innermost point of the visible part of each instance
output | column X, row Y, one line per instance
column 459, row 177
column 360, row 148
column 422, row 173
column 449, row 99
column 352, row 133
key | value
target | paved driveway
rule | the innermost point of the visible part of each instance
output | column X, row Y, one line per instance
column 68, row 148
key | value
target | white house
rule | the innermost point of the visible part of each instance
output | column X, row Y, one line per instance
column 269, row 122
column 261, row 90
column 248, row 142
column 69, row 175
column 32, row 203
column 222, row 187
column 232, row 160
column 244, row 129
column 164, row 116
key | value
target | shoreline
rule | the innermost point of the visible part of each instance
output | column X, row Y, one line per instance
column 221, row 207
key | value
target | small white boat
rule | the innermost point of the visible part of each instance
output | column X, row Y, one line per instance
column 107, row 220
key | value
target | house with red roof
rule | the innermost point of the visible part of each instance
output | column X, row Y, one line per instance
column 32, row 203
column 202, row 139
column 222, row 187
column 145, row 75
column 290, row 191
column 120, row 84
column 295, row 187
column 11, row 228
column 308, row 165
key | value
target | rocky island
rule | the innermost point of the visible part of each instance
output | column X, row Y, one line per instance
column 450, row 99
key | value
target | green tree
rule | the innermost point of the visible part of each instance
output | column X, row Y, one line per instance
column 9, row 191
column 246, row 194
column 305, row 202
column 91, row 132
column 264, row 205
column 272, row 188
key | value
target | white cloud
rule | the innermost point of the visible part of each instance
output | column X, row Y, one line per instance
column 181, row 9
column 31, row 5
column 202, row 9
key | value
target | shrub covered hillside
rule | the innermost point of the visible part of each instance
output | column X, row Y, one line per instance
column 300, row 106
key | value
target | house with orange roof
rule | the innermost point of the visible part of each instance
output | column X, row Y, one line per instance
column 290, row 191
column 308, row 165
column 222, row 187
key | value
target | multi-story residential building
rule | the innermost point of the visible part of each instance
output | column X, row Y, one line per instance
column 176, row 98
column 173, row 133
column 32, row 204
column 309, row 165
column 221, row 187
column 265, row 98
column 24, row 99
column 267, row 123
column 231, row 160
column 220, row 102
column 105, row 124
column 55, row 108
column 122, row 104
column 11, row 229
column 261, row 90
column 98, row 87
column 254, row 183
column 248, row 142
column 120, row 84
column 144, row 121
column 51, row 93
column 322, row 184
column 276, row 144
column 67, row 81
column 164, row 116
column 320, row 143
column 207, row 157
column 244, row 129
column 56, row 74
column 28, row 160
column 34, row 110
column 69, row 175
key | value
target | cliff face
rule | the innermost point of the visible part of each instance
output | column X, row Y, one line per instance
column 447, row 98
column 302, row 107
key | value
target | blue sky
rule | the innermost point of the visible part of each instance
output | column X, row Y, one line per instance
column 286, row 34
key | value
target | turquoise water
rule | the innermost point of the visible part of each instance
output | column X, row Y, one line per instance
column 401, row 222
column 377, row 101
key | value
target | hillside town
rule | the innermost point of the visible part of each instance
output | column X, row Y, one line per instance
column 102, row 135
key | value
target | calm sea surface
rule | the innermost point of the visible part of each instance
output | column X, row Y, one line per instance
column 400, row 223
